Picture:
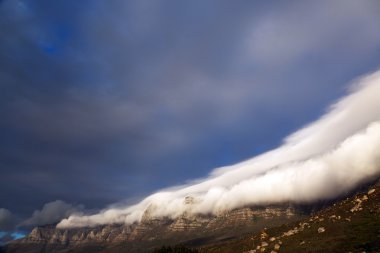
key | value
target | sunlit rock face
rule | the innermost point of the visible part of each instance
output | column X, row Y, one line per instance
column 151, row 228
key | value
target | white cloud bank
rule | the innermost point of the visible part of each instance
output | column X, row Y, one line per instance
column 323, row 160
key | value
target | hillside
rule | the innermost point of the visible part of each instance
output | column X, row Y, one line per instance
column 350, row 225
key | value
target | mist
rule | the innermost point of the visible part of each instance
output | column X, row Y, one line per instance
column 321, row 161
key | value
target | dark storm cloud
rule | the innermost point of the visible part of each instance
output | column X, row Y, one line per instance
column 103, row 101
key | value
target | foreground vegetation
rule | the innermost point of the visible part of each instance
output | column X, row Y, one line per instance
column 175, row 249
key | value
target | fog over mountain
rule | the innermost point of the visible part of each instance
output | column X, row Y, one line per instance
column 323, row 160
column 112, row 108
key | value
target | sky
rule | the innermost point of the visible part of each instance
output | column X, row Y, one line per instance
column 325, row 160
column 106, row 102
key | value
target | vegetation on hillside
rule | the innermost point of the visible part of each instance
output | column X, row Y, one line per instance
column 175, row 249
column 351, row 225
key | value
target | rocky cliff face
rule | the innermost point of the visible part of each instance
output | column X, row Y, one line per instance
column 185, row 227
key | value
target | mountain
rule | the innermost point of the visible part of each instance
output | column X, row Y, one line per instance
column 348, row 225
column 152, row 232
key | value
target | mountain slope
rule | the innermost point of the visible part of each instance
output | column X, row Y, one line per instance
column 350, row 225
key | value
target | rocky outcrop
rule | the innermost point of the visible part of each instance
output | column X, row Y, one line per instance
column 188, row 222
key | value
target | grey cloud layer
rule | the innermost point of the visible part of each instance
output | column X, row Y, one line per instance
column 51, row 213
column 7, row 220
column 130, row 92
column 307, row 28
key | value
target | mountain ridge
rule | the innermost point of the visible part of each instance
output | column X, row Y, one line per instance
column 209, row 233
column 186, row 227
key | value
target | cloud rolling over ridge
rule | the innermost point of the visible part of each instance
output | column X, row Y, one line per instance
column 320, row 161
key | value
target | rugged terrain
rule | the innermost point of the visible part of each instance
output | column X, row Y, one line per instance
column 194, row 230
column 348, row 225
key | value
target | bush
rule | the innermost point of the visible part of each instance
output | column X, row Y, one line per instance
column 176, row 249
